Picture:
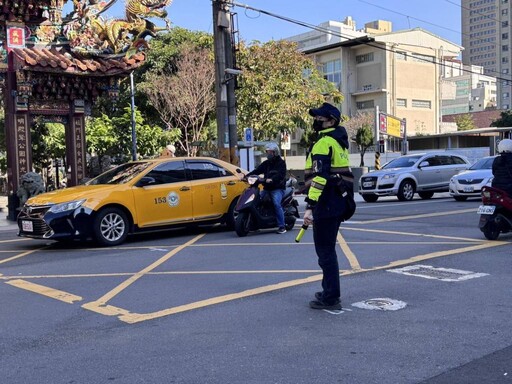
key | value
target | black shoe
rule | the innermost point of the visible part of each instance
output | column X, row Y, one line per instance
column 318, row 304
column 319, row 295
column 281, row 230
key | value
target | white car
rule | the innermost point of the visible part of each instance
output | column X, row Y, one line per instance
column 422, row 173
column 469, row 183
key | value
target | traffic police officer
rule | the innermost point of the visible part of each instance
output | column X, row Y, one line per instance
column 327, row 161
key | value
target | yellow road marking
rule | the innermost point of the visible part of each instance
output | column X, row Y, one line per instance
column 352, row 259
column 433, row 255
column 132, row 318
column 125, row 284
column 239, row 272
column 21, row 255
column 412, row 234
column 420, row 216
column 45, row 291
column 14, row 240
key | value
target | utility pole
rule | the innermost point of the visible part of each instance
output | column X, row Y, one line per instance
column 224, row 83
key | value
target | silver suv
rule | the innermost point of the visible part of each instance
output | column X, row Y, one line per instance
column 424, row 173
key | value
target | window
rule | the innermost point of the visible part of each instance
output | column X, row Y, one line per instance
column 504, row 12
column 422, row 104
column 365, row 104
column 332, row 71
column 504, row 48
column 457, row 160
column 504, row 24
column 170, row 172
column 367, row 57
column 504, row 36
column 401, row 102
column 205, row 170
column 504, row 59
column 506, row 95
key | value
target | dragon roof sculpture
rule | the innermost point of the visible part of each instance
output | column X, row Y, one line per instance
column 89, row 32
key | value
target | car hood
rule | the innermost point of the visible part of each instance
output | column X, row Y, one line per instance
column 476, row 174
column 70, row 194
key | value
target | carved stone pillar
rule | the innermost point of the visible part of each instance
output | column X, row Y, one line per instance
column 75, row 145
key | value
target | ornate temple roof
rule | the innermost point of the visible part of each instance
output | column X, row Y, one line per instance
column 61, row 60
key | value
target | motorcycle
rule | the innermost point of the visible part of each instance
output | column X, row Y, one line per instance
column 254, row 213
column 495, row 212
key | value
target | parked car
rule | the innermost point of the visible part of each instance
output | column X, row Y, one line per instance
column 425, row 174
column 134, row 197
column 469, row 183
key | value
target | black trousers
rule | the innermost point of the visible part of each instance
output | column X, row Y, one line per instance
column 325, row 232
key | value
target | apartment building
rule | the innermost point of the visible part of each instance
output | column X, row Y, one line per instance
column 486, row 37
column 397, row 71
column 465, row 89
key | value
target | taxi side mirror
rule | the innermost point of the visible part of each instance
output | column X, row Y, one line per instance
column 145, row 181
column 424, row 164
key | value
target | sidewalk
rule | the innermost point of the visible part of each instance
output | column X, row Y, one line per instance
column 4, row 223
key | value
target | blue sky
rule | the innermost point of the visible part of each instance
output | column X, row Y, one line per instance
column 441, row 17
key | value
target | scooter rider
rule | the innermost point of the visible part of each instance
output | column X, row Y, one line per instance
column 502, row 167
column 274, row 171
column 328, row 159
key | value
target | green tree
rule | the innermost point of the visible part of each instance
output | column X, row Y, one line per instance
column 505, row 120
column 465, row 122
column 364, row 139
column 99, row 136
column 150, row 138
column 277, row 87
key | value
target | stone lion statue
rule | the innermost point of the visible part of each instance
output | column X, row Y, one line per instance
column 31, row 184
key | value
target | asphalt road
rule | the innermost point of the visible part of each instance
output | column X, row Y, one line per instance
column 209, row 307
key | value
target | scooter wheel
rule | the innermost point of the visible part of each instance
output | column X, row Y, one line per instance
column 242, row 223
column 289, row 223
column 491, row 231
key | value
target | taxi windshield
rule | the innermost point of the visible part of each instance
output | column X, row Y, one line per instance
column 402, row 162
column 120, row 174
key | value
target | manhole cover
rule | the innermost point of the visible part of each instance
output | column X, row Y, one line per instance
column 382, row 304
column 443, row 274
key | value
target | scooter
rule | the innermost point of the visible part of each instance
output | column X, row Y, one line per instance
column 495, row 212
column 254, row 213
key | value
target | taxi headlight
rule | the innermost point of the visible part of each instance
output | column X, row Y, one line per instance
column 389, row 176
column 68, row 206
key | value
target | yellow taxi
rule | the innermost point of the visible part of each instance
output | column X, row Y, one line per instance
column 134, row 197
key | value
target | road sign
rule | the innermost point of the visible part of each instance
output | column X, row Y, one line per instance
column 286, row 142
column 248, row 137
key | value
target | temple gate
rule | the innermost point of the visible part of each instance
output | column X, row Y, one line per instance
column 55, row 67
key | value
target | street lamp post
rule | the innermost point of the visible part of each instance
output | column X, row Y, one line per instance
column 134, row 134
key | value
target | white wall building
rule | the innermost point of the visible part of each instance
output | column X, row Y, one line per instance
column 466, row 89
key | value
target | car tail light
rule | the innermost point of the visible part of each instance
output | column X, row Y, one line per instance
column 486, row 194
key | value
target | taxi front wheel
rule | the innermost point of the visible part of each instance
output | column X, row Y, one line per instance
column 110, row 227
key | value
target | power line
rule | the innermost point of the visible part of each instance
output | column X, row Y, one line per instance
column 329, row 31
column 448, row 29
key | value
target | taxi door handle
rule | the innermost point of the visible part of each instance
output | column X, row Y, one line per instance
column 232, row 183
column 185, row 189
